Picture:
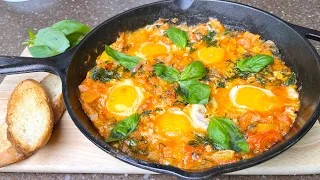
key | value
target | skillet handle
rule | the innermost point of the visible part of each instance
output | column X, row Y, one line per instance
column 309, row 33
column 55, row 64
column 14, row 65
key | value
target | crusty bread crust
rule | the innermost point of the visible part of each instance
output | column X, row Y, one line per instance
column 53, row 85
column 8, row 153
column 29, row 117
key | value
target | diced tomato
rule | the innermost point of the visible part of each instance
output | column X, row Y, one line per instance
column 263, row 141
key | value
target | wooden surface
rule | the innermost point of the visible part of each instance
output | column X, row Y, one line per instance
column 68, row 151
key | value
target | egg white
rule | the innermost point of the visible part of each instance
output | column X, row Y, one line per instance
column 196, row 114
column 292, row 93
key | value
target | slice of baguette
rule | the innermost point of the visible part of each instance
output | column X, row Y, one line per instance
column 8, row 153
column 52, row 83
column 29, row 117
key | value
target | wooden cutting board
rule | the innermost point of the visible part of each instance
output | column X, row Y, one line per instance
column 68, row 151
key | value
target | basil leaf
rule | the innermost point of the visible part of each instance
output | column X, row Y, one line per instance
column 32, row 36
column 227, row 135
column 54, row 39
column 195, row 70
column 178, row 37
column 124, row 128
column 218, row 133
column 75, row 39
column 194, row 92
column 167, row 73
column 41, row 51
column 255, row 63
column 73, row 30
column 69, row 27
column 129, row 62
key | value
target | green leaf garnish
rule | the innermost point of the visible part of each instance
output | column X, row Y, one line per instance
column 290, row 80
column 194, row 92
column 178, row 37
column 167, row 73
column 227, row 135
column 41, row 51
column 32, row 36
column 73, row 30
column 129, row 62
column 195, row 70
column 124, row 128
column 55, row 39
column 255, row 63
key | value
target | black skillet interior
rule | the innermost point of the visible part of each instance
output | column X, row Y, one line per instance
column 296, row 52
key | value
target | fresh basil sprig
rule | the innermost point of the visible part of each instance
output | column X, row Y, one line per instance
column 73, row 30
column 227, row 135
column 124, row 128
column 178, row 37
column 167, row 73
column 255, row 63
column 41, row 51
column 195, row 70
column 190, row 89
column 51, row 40
column 55, row 39
column 127, row 61
column 194, row 92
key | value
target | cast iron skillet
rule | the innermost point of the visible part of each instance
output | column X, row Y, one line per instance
column 296, row 50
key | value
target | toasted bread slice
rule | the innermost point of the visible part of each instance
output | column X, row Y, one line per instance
column 29, row 117
column 8, row 153
column 52, row 83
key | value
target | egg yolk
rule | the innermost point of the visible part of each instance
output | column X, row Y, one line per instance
column 254, row 98
column 122, row 99
column 153, row 49
column 173, row 125
column 104, row 57
column 211, row 55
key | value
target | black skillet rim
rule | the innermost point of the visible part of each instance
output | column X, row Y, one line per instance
column 216, row 169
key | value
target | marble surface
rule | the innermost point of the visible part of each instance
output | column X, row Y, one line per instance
column 36, row 14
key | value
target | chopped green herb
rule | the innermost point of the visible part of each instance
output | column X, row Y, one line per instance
column 227, row 31
column 200, row 140
column 290, row 80
column 192, row 49
column 209, row 39
column 146, row 112
column 132, row 142
column 221, row 84
column 103, row 75
column 275, row 51
column 262, row 41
